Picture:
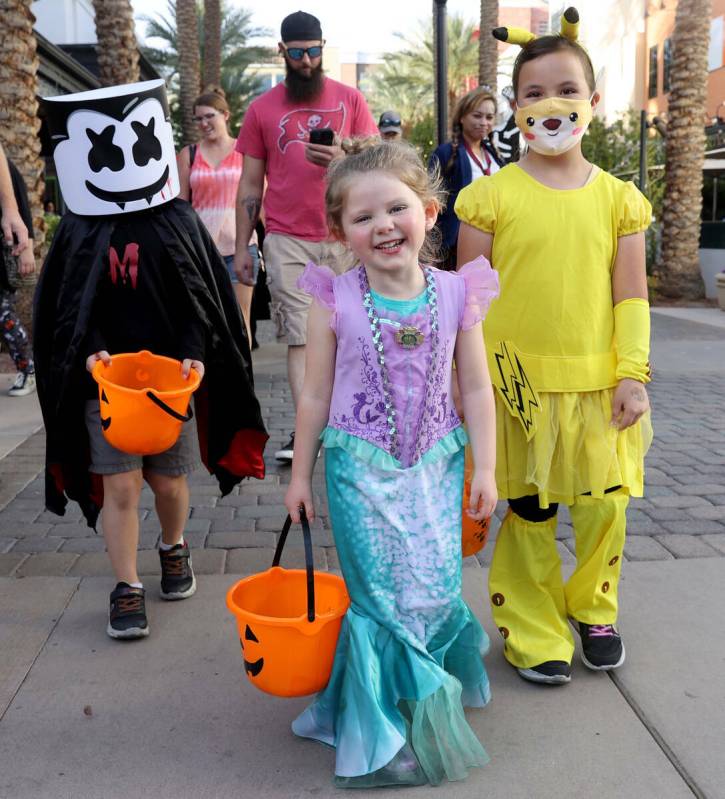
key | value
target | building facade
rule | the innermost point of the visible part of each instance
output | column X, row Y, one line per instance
column 660, row 24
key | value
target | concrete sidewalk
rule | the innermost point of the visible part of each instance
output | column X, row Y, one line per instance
column 174, row 716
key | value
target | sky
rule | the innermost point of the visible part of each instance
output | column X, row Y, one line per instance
column 364, row 25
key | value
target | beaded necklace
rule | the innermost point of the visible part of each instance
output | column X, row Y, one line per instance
column 374, row 319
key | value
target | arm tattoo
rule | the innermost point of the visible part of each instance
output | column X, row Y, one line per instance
column 253, row 206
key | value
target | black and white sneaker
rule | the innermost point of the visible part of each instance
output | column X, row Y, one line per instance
column 288, row 450
column 24, row 384
column 177, row 575
column 602, row 646
column 552, row 672
column 127, row 613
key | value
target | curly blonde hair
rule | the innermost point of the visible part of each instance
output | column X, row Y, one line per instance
column 397, row 158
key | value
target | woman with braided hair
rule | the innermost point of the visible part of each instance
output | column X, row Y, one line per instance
column 470, row 154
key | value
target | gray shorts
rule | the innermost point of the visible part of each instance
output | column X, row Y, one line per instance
column 180, row 459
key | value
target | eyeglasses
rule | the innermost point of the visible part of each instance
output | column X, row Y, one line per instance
column 298, row 53
column 205, row 117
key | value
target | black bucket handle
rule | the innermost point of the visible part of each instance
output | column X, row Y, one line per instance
column 169, row 409
column 309, row 565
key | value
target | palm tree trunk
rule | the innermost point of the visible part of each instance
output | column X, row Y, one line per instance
column 19, row 122
column 679, row 268
column 189, row 84
column 212, row 42
column 487, row 45
column 117, row 47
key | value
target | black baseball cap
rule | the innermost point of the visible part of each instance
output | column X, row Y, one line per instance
column 301, row 27
column 390, row 121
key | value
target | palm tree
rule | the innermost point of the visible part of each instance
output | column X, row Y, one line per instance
column 187, row 27
column 405, row 79
column 487, row 45
column 212, row 42
column 679, row 267
column 237, row 55
column 18, row 103
column 117, row 47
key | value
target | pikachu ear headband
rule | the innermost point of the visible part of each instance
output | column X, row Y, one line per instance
column 520, row 36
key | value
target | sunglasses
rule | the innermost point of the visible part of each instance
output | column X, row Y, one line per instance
column 298, row 53
column 205, row 117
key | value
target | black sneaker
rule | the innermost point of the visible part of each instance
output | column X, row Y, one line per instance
column 127, row 614
column 602, row 646
column 177, row 576
column 552, row 672
column 287, row 451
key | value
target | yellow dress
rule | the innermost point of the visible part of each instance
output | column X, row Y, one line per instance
column 554, row 251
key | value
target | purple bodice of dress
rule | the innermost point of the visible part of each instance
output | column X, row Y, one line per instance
column 424, row 415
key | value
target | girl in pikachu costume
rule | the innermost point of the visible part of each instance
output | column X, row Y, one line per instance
column 568, row 347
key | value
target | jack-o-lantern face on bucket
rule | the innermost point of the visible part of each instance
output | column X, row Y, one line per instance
column 253, row 668
column 105, row 423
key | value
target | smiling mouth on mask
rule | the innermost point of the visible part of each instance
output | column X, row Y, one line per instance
column 129, row 195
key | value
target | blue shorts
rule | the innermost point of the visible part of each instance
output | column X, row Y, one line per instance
column 229, row 261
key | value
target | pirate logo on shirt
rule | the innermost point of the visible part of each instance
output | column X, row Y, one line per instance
column 295, row 126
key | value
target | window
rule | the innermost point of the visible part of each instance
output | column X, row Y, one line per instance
column 717, row 39
column 652, row 72
column 666, row 65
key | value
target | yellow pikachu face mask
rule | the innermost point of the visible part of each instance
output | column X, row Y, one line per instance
column 554, row 125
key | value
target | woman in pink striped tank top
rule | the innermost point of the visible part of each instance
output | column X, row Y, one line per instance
column 209, row 173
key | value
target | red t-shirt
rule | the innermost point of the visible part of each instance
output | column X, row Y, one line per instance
column 276, row 130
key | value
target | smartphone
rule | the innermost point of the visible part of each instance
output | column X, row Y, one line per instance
column 322, row 136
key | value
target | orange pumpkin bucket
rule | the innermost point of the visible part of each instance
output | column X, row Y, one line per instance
column 474, row 534
column 289, row 622
column 144, row 401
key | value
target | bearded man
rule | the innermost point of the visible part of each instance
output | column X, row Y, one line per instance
column 290, row 135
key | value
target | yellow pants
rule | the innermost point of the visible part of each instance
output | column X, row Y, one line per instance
column 530, row 601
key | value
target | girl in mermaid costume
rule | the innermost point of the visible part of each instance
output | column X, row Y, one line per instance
column 377, row 393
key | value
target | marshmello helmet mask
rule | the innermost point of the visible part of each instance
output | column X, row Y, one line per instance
column 113, row 148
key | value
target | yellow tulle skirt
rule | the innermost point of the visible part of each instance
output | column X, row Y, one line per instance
column 575, row 450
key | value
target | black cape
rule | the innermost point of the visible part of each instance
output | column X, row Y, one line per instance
column 229, row 421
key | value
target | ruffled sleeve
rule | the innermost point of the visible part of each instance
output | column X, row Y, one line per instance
column 317, row 281
column 481, row 282
column 635, row 211
column 477, row 205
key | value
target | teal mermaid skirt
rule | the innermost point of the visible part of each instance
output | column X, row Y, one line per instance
column 409, row 656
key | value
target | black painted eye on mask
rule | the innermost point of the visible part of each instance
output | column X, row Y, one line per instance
column 147, row 146
column 104, row 153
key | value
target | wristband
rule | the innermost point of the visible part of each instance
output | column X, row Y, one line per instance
column 631, row 339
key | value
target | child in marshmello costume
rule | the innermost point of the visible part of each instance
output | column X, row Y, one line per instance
column 568, row 346
column 132, row 267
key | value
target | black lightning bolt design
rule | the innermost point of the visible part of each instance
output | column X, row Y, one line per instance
column 515, row 388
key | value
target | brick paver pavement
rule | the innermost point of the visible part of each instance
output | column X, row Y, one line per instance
column 682, row 515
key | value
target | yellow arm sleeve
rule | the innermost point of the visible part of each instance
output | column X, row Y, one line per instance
column 631, row 339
